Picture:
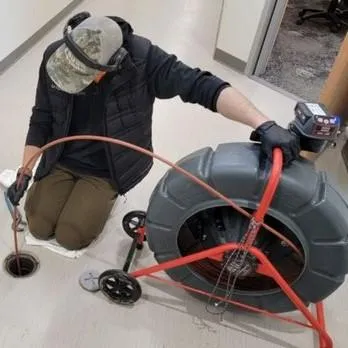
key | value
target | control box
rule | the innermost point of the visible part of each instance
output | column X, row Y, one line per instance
column 315, row 126
column 313, row 120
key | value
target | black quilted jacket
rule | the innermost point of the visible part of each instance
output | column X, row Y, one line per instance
column 148, row 73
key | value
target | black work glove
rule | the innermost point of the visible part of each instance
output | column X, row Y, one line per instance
column 271, row 135
column 15, row 194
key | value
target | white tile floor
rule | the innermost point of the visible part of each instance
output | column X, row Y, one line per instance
column 49, row 309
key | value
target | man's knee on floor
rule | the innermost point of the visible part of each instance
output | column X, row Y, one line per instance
column 70, row 238
column 40, row 228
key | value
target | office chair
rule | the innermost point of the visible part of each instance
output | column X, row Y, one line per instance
column 334, row 13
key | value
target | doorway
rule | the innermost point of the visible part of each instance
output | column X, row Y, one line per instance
column 297, row 58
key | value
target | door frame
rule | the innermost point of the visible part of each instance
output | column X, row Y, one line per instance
column 267, row 34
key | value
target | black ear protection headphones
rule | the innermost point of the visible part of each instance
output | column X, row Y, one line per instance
column 115, row 61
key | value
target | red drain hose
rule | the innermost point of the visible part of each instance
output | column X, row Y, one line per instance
column 278, row 160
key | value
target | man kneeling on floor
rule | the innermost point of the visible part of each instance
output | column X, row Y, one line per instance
column 101, row 79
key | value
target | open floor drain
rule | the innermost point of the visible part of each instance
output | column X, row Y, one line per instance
column 28, row 265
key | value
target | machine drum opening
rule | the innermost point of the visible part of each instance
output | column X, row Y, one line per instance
column 216, row 226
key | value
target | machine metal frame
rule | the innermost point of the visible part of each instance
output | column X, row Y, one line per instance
column 265, row 267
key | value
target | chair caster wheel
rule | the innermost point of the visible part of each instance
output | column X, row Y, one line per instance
column 335, row 28
column 119, row 287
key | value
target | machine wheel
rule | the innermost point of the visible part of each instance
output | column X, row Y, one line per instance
column 119, row 287
column 182, row 218
column 132, row 221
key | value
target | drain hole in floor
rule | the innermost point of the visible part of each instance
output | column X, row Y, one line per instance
column 28, row 265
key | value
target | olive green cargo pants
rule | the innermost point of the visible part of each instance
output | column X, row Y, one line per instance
column 72, row 208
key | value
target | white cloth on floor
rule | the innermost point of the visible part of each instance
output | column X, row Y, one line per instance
column 53, row 246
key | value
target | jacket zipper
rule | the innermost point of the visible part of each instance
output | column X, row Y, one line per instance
column 107, row 145
column 109, row 154
column 66, row 130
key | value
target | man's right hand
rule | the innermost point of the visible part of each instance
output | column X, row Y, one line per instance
column 16, row 191
column 271, row 135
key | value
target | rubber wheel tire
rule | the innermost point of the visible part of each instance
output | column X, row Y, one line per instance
column 128, row 288
column 141, row 216
column 305, row 202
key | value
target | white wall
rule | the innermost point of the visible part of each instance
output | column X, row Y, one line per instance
column 239, row 25
column 20, row 19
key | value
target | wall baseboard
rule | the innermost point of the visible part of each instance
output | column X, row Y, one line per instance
column 229, row 60
column 37, row 36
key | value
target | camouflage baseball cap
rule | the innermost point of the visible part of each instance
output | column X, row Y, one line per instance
column 99, row 38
